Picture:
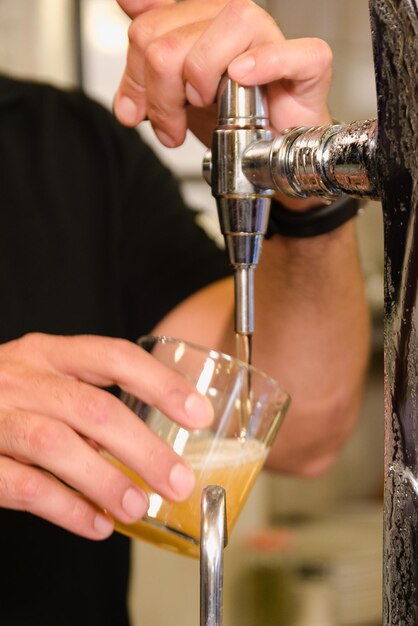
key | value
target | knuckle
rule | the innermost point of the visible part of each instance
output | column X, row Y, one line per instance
column 323, row 53
column 242, row 10
column 195, row 71
column 140, row 32
column 42, row 440
column 248, row 15
column 96, row 406
column 111, row 483
column 35, row 347
column 80, row 512
column 158, row 115
column 174, row 389
column 26, row 487
column 114, row 487
column 160, row 54
column 132, row 84
column 32, row 341
column 117, row 351
column 8, row 378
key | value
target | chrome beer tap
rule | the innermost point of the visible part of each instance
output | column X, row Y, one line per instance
column 243, row 207
column 246, row 165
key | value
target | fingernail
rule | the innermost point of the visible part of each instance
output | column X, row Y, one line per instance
column 182, row 480
column 198, row 409
column 126, row 110
column 103, row 525
column 242, row 66
column 193, row 97
column 134, row 503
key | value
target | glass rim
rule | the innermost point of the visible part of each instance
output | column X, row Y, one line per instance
column 215, row 354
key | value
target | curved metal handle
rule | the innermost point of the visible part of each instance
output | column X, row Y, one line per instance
column 213, row 539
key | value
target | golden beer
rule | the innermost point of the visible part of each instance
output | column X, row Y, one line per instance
column 230, row 463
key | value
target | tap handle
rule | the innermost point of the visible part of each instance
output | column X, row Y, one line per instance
column 213, row 539
column 240, row 106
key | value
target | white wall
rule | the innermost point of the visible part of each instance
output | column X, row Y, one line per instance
column 35, row 39
column 344, row 24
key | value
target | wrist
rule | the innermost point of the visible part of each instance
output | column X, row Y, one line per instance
column 313, row 221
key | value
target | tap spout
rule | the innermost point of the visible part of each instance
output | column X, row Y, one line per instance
column 243, row 207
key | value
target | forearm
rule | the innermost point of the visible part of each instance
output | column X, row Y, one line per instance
column 312, row 334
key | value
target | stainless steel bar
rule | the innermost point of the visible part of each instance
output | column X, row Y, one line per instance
column 213, row 539
column 323, row 161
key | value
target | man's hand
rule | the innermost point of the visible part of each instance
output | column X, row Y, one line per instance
column 179, row 51
column 55, row 419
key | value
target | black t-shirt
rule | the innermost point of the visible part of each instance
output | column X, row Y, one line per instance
column 94, row 238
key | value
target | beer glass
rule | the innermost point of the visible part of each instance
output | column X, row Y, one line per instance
column 248, row 406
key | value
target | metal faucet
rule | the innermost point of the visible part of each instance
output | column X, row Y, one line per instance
column 246, row 165
column 213, row 540
column 322, row 161
column 243, row 208
column 372, row 159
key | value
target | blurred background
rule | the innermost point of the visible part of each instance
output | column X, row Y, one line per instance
column 305, row 552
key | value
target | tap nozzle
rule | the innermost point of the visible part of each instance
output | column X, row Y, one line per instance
column 243, row 206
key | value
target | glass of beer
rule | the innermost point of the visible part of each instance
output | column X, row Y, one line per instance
column 249, row 407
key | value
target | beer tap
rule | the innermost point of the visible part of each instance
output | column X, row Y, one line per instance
column 243, row 206
column 247, row 165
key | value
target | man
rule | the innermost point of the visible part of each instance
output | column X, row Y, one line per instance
column 96, row 249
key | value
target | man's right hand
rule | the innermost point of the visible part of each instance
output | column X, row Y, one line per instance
column 55, row 419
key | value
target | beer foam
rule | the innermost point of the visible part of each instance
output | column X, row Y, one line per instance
column 223, row 453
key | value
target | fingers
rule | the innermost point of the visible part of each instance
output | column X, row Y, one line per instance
column 25, row 488
column 300, row 60
column 33, row 440
column 240, row 26
column 50, row 444
column 179, row 53
column 49, row 418
column 152, row 85
column 98, row 416
column 103, row 362
column 299, row 74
